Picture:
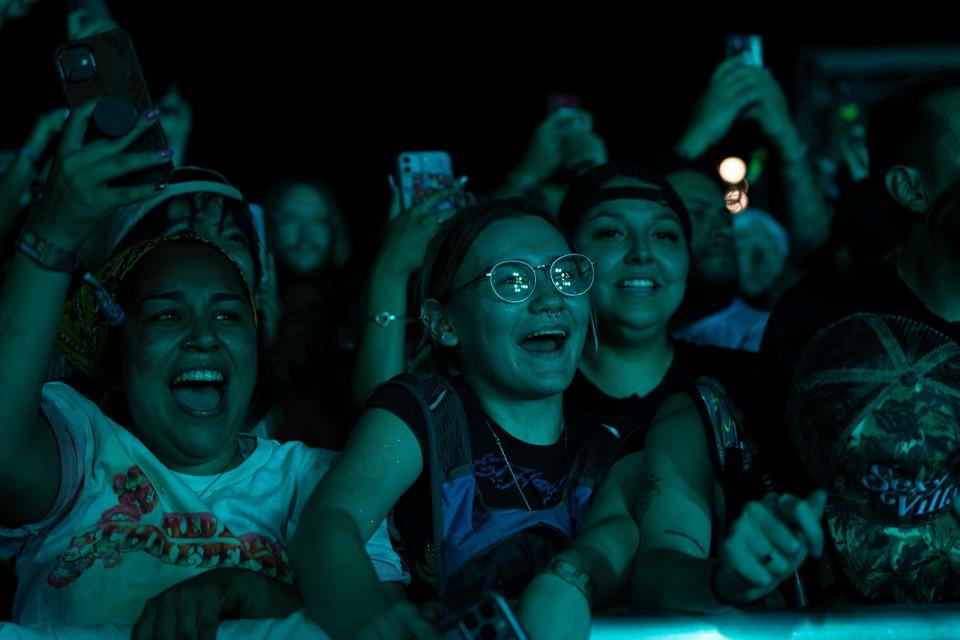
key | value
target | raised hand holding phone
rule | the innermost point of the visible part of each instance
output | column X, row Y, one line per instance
column 103, row 68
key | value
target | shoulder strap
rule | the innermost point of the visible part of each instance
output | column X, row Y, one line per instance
column 448, row 444
column 725, row 419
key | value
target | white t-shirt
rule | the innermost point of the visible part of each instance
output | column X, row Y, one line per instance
column 124, row 527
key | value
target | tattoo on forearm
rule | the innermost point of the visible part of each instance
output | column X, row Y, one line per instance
column 685, row 536
column 649, row 489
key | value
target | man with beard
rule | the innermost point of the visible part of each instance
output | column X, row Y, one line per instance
column 711, row 313
column 914, row 148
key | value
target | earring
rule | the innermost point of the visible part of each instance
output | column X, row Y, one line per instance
column 593, row 327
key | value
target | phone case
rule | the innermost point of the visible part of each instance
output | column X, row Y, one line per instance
column 105, row 66
column 490, row 618
column 422, row 173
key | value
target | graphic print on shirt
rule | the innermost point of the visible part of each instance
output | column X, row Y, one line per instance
column 492, row 469
column 196, row 540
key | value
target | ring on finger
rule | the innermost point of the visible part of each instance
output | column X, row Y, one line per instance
column 772, row 562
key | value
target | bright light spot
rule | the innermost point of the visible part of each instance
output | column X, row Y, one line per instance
column 736, row 200
column 733, row 170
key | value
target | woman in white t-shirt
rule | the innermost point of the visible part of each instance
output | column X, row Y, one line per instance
column 162, row 515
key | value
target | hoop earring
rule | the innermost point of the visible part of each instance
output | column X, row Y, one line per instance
column 593, row 330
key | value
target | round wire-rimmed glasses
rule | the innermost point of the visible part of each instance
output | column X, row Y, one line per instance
column 514, row 281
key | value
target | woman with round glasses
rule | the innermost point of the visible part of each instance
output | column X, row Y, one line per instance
column 636, row 380
column 488, row 482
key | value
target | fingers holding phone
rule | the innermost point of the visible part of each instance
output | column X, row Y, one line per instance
column 410, row 230
column 78, row 189
column 104, row 69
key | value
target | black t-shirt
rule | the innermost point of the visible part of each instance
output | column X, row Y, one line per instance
column 631, row 417
column 540, row 472
column 814, row 303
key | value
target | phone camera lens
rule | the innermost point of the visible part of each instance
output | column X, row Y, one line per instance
column 488, row 632
column 471, row 620
column 407, row 169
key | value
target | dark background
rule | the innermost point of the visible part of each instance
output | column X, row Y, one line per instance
column 276, row 88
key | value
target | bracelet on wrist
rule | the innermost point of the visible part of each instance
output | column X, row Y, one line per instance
column 572, row 576
column 384, row 318
column 46, row 254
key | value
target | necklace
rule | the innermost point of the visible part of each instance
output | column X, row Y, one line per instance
column 503, row 453
column 219, row 475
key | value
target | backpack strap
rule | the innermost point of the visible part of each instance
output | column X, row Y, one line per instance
column 448, row 445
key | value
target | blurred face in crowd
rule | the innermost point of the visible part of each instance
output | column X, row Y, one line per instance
column 712, row 244
column 301, row 229
column 760, row 261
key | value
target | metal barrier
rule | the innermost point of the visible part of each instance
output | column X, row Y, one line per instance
column 897, row 622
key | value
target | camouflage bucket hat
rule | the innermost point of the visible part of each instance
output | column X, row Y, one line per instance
column 874, row 413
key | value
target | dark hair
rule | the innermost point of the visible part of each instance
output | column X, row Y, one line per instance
column 338, row 226
column 275, row 192
column 581, row 194
column 903, row 127
column 449, row 247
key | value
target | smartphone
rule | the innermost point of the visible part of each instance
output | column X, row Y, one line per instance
column 104, row 67
column 562, row 102
column 422, row 173
column 749, row 46
column 490, row 618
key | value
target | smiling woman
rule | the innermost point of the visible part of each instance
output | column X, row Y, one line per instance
column 488, row 482
column 669, row 474
column 170, row 518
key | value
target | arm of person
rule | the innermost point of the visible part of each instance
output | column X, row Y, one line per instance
column 194, row 608
column 673, row 570
column 547, row 152
column 553, row 605
column 808, row 214
column 31, row 300
column 674, row 511
column 732, row 86
column 381, row 354
column 340, row 587
column 16, row 178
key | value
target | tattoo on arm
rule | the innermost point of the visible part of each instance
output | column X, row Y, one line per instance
column 687, row 537
column 649, row 489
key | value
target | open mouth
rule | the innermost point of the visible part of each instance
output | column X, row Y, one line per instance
column 545, row 340
column 639, row 285
column 199, row 392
